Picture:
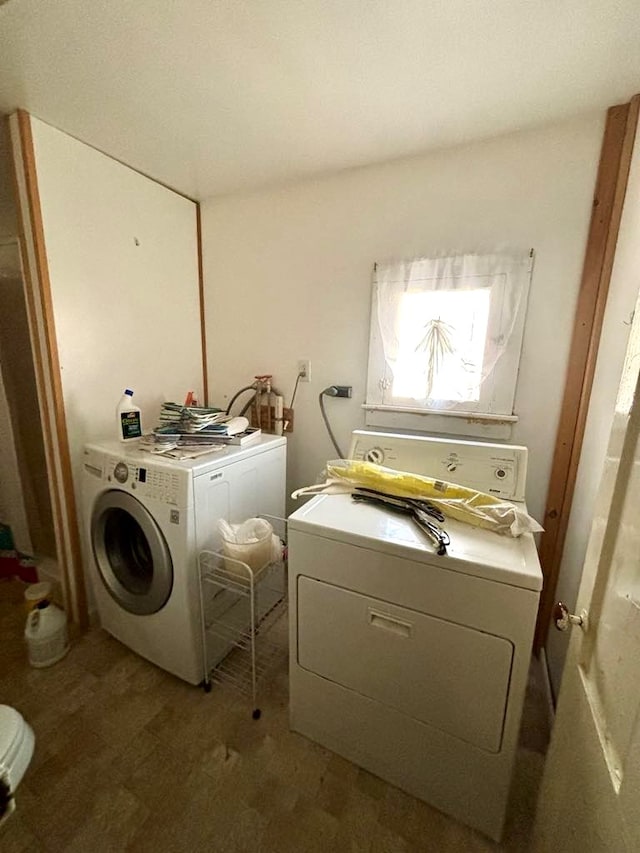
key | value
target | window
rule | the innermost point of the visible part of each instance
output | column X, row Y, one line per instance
column 446, row 335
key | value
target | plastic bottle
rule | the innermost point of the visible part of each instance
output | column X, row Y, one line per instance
column 46, row 634
column 36, row 593
column 128, row 421
column 278, row 416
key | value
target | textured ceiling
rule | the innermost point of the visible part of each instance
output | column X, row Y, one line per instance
column 212, row 96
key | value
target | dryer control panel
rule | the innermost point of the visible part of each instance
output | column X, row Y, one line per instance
column 498, row 469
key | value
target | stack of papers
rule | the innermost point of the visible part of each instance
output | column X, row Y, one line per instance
column 189, row 431
column 187, row 419
column 178, row 449
column 176, row 419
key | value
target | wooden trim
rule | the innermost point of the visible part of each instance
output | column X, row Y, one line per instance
column 474, row 417
column 611, row 184
column 39, row 369
column 51, row 365
column 203, row 328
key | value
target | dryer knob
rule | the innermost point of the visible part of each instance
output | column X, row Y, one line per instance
column 375, row 455
column 121, row 472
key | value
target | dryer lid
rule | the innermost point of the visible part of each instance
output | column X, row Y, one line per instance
column 472, row 551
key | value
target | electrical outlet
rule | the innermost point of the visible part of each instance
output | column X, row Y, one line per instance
column 343, row 390
column 304, row 369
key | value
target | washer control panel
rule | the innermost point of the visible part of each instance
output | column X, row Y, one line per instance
column 498, row 469
column 152, row 482
column 148, row 481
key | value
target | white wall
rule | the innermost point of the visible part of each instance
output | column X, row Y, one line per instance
column 17, row 367
column 12, row 508
column 8, row 219
column 10, row 486
column 621, row 302
column 123, row 265
column 288, row 272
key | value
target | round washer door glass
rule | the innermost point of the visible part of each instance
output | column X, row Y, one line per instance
column 131, row 553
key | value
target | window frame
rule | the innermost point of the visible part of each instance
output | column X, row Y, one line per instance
column 490, row 416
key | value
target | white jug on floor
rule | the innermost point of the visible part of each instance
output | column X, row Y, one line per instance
column 16, row 749
column 46, row 634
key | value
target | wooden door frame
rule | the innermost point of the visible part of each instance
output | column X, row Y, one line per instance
column 44, row 346
column 203, row 327
column 608, row 201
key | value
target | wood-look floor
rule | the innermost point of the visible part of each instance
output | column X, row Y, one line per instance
column 129, row 758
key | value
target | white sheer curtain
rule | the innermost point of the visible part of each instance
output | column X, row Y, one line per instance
column 445, row 321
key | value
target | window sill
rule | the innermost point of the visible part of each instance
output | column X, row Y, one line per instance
column 441, row 421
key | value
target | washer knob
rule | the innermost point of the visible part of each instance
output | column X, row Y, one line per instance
column 375, row 455
column 451, row 467
column 121, row 472
column 501, row 473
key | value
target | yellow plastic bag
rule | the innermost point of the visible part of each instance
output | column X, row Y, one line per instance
column 459, row 502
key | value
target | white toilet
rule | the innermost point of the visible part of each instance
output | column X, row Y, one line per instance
column 16, row 748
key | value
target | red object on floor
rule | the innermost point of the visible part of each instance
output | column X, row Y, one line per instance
column 28, row 574
column 13, row 567
column 8, row 566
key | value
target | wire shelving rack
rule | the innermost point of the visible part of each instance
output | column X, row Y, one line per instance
column 239, row 608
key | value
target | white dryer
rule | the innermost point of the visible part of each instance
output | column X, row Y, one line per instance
column 145, row 521
column 410, row 664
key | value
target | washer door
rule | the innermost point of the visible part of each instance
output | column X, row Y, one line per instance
column 131, row 553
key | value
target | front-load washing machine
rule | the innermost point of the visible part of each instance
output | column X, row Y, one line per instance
column 410, row 663
column 146, row 519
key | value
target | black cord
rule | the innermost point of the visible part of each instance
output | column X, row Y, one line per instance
column 237, row 394
column 249, row 404
column 295, row 389
column 331, row 391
